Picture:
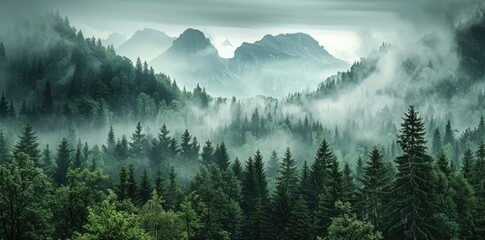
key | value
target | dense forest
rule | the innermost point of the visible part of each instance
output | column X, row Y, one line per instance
column 67, row 193
column 94, row 146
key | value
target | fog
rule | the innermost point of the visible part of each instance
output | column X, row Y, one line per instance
column 407, row 72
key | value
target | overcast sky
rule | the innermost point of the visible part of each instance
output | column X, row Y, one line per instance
column 347, row 28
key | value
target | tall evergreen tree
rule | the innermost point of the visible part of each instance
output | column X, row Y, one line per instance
column 4, row 149
column 207, row 154
column 3, row 107
column 144, row 192
column 185, row 145
column 47, row 159
column 375, row 189
column 288, row 175
column 359, row 172
column 136, row 149
column 449, row 137
column 285, row 196
column 221, row 157
column 78, row 158
column 318, row 174
column 237, row 168
column 173, row 191
column 63, row 160
column 299, row 223
column 411, row 207
column 122, row 187
column 48, row 100
column 28, row 144
column 111, row 141
column 131, row 185
column 273, row 166
column 467, row 164
column 443, row 163
column 436, row 144
column 348, row 185
column 159, row 183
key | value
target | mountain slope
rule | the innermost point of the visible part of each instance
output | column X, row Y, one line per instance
column 145, row 44
column 277, row 65
column 193, row 59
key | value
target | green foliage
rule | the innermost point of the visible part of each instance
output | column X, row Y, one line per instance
column 83, row 189
column 411, row 208
column 28, row 144
column 63, row 160
column 106, row 222
column 25, row 192
column 347, row 227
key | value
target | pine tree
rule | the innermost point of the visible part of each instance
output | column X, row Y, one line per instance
column 122, row 187
column 48, row 101
column 375, row 189
column 436, row 144
column 78, row 158
column 411, row 207
column 273, row 166
column 121, row 148
column 131, row 186
column 318, row 173
column 28, row 144
column 288, row 175
column 299, row 223
column 221, row 157
column 144, row 192
column 348, row 186
column 63, row 160
column 449, row 137
column 159, row 183
column 136, row 149
column 3, row 107
column 194, row 151
column 286, row 193
column 185, row 145
column 305, row 184
column 467, row 164
column 443, row 163
column 173, row 191
column 47, row 159
column 237, row 168
column 359, row 172
column 111, row 141
column 4, row 149
column 207, row 153
column 334, row 192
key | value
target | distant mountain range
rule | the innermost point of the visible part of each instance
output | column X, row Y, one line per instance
column 273, row 66
column 146, row 44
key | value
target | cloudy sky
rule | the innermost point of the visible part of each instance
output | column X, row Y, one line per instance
column 347, row 28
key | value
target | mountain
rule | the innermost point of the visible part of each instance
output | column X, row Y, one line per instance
column 115, row 39
column 277, row 65
column 226, row 44
column 272, row 66
column 193, row 59
column 146, row 44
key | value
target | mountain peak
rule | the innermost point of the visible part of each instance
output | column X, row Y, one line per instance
column 192, row 41
column 226, row 43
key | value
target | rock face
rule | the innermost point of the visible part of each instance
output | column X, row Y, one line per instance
column 145, row 44
column 272, row 66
